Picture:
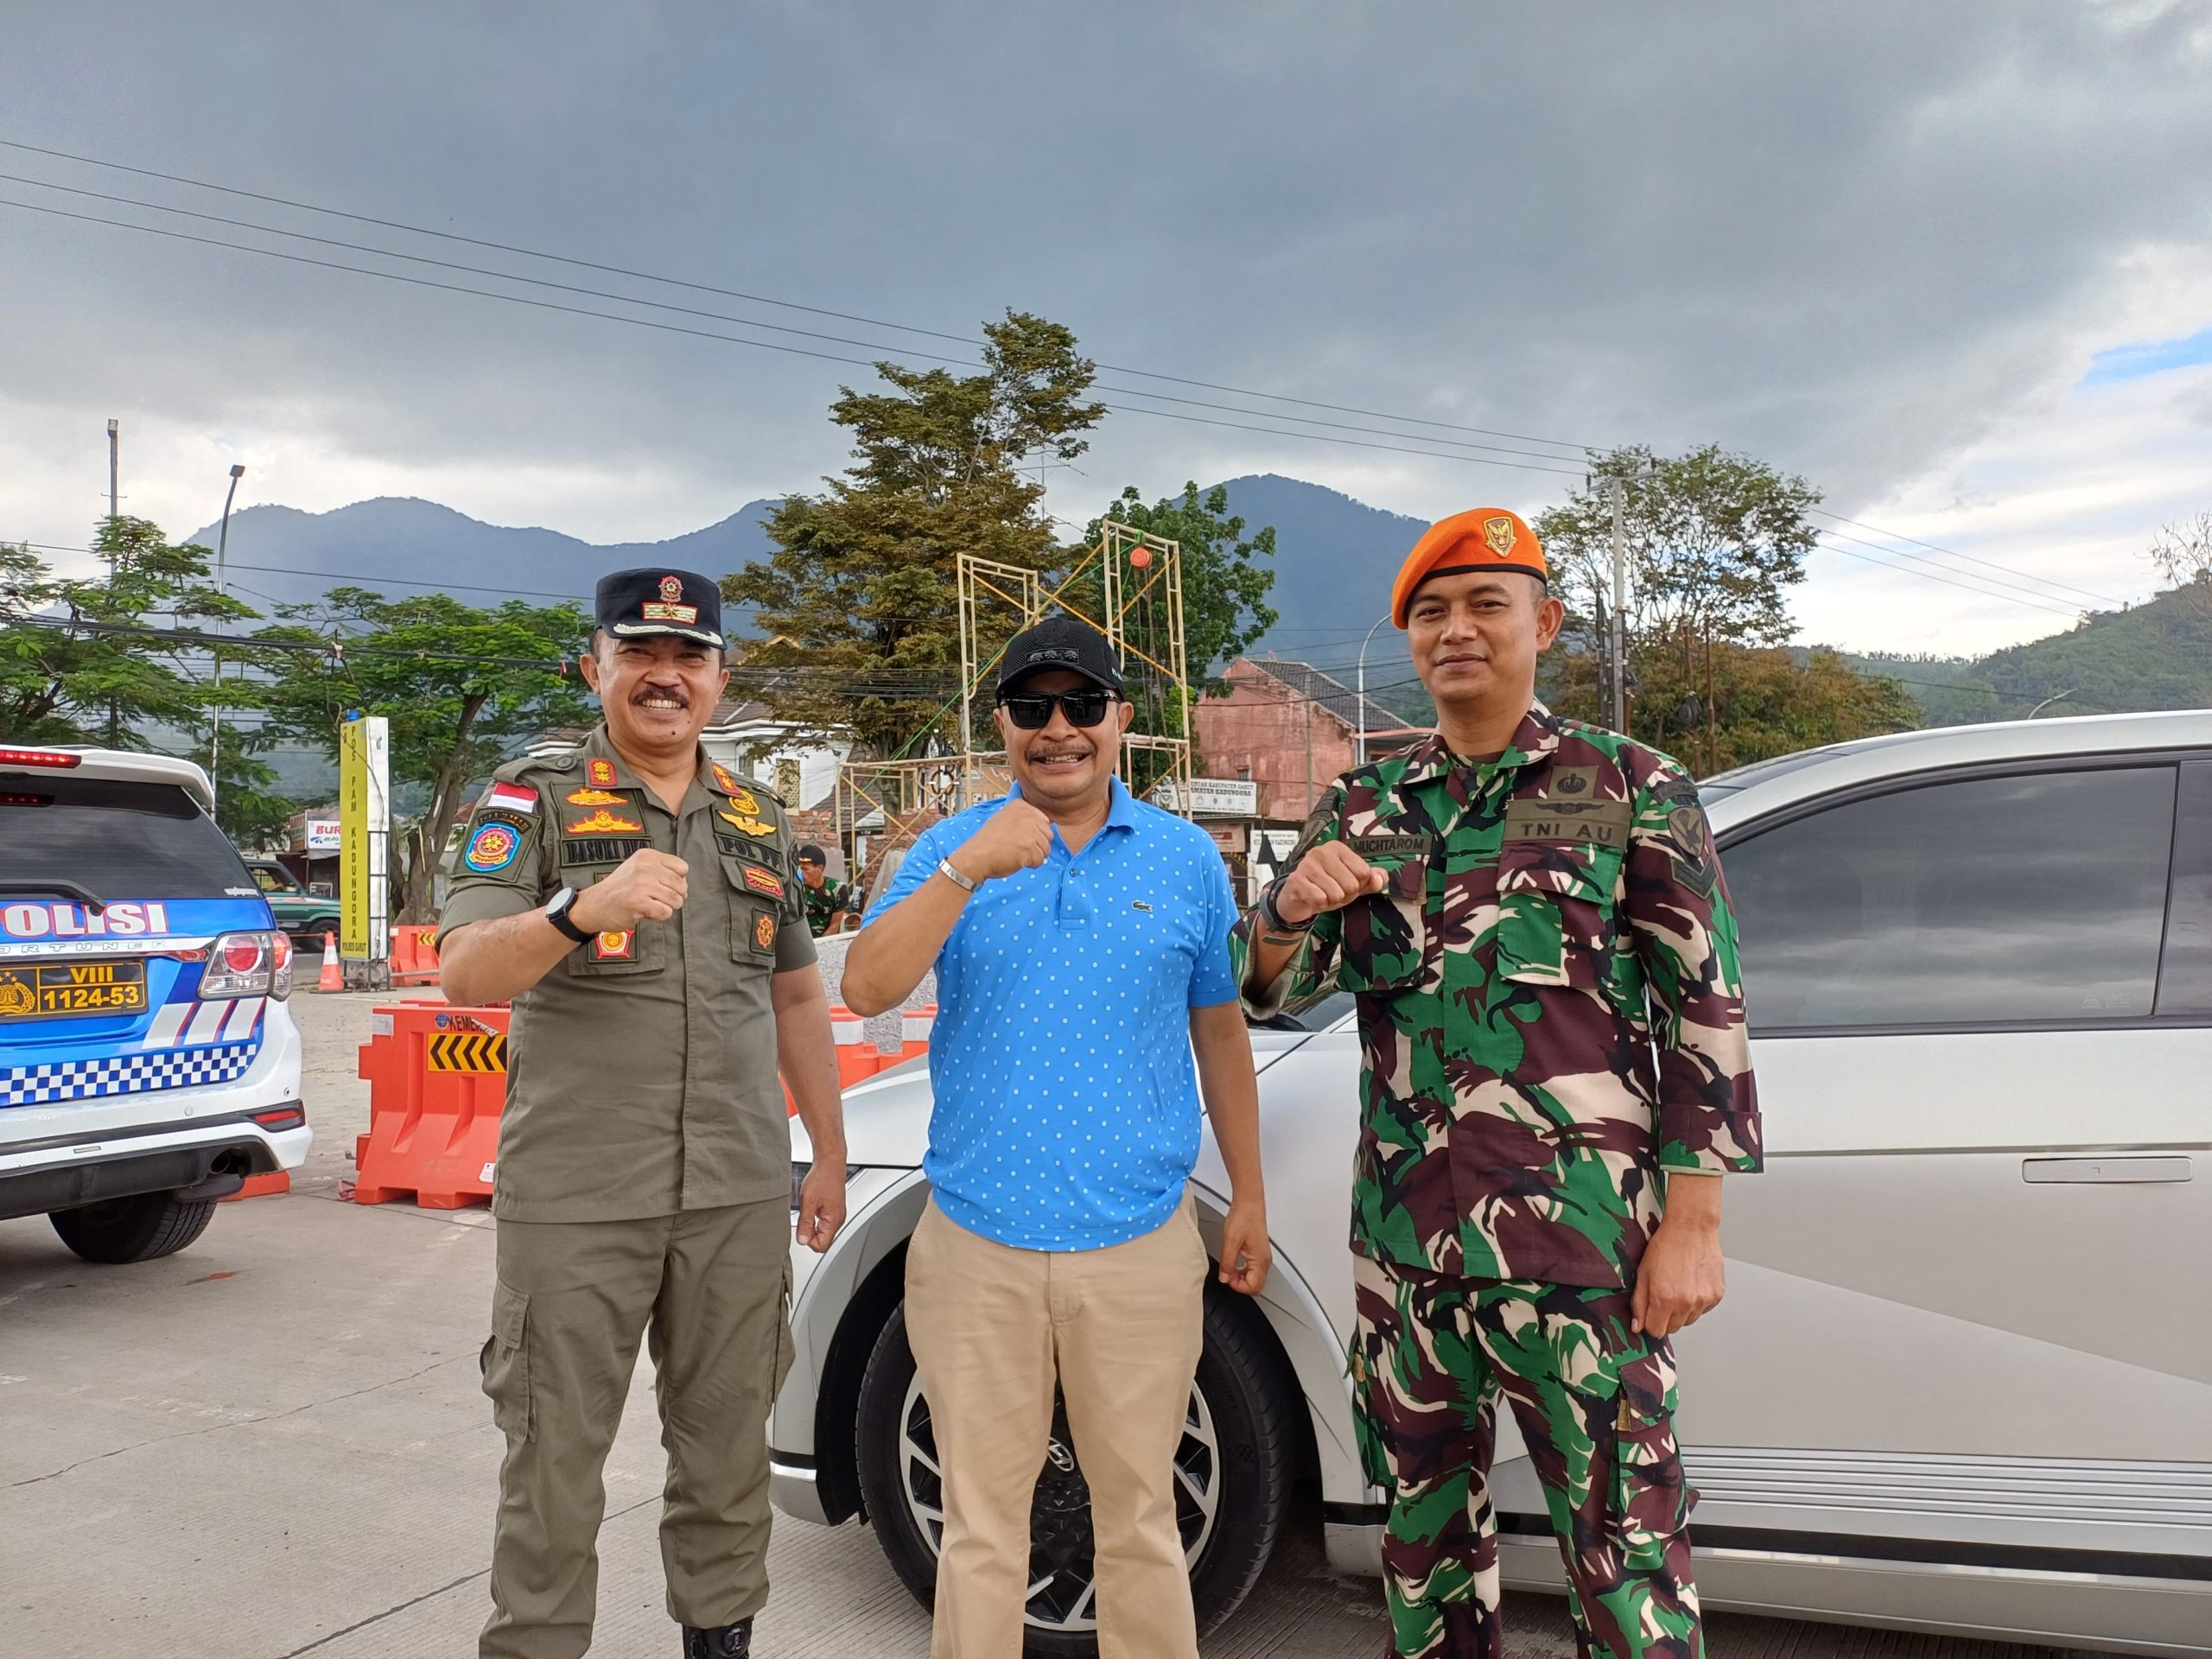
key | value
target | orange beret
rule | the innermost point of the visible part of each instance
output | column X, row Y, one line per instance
column 1487, row 536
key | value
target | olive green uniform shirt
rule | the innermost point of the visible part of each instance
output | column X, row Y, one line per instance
column 641, row 1069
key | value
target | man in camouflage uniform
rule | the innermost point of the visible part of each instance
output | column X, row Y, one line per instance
column 827, row 903
column 1531, row 914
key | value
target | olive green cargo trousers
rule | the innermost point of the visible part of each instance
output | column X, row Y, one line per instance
column 709, row 1289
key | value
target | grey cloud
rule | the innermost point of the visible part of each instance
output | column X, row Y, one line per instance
column 1846, row 237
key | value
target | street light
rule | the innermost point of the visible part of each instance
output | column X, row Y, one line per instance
column 1360, row 690
column 222, row 549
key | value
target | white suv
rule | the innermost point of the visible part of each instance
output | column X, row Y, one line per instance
column 148, row 1063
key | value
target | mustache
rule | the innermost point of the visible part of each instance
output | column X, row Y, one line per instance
column 673, row 693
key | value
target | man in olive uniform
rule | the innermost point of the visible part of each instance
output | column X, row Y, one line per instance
column 1530, row 913
column 828, row 903
column 639, row 904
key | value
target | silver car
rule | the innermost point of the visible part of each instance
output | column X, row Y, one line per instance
column 1962, row 1381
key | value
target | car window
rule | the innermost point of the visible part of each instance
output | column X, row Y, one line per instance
column 2185, row 974
column 1316, row 1014
column 271, row 880
column 2040, row 897
column 120, row 840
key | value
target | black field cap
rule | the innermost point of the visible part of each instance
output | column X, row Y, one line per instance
column 811, row 854
column 635, row 603
column 1059, row 642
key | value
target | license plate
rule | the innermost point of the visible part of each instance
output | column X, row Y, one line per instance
column 59, row 990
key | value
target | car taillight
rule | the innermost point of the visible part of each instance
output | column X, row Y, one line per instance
column 60, row 758
column 283, row 987
column 244, row 964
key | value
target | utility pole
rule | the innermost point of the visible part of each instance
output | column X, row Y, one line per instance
column 1620, row 601
column 114, row 428
column 222, row 550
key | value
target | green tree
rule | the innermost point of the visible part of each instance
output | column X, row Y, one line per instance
column 1224, row 587
column 461, row 685
column 1744, row 703
column 249, row 807
column 1714, row 542
column 858, row 604
column 81, row 659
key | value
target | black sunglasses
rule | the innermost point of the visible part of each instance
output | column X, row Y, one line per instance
column 1032, row 711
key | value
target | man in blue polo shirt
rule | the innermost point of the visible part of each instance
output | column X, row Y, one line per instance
column 1081, row 943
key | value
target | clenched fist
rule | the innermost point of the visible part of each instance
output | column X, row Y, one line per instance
column 646, row 886
column 1018, row 837
column 1329, row 877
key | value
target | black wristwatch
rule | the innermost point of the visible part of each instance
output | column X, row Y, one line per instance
column 1273, row 918
column 557, row 911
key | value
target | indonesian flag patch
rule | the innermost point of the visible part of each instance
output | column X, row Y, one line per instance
column 510, row 798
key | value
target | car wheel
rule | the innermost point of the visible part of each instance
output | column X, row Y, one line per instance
column 1233, row 1469
column 136, row 1229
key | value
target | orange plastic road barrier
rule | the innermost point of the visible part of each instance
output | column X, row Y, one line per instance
column 415, row 955
column 437, row 1083
column 914, row 1028
column 259, row 1186
column 856, row 1056
column 333, row 976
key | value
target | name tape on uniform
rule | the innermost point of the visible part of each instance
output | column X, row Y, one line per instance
column 1596, row 824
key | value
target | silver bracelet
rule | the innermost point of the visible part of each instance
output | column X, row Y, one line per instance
column 945, row 869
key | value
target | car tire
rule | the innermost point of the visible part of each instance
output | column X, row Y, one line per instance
column 1242, row 1389
column 136, row 1229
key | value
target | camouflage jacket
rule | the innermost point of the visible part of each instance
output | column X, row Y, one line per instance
column 1550, row 1010
column 822, row 904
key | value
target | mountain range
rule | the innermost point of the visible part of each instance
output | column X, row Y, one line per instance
column 1334, row 557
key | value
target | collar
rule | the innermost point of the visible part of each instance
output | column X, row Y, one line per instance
column 1536, row 738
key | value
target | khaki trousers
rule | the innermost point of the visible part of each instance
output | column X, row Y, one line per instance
column 1119, row 1330
column 710, row 1290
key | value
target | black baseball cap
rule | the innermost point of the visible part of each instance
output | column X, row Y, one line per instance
column 811, row 854
column 633, row 604
column 1059, row 642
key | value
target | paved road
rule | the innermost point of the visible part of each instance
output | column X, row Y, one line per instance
column 272, row 1444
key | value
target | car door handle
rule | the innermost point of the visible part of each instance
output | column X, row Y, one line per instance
column 2112, row 1171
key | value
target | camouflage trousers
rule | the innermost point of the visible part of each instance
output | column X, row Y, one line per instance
column 1595, row 1403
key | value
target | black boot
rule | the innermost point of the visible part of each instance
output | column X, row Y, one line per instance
column 723, row 1642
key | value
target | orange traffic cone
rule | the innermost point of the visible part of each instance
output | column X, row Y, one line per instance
column 334, row 978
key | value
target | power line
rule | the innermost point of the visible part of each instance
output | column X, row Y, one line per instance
column 741, row 339
column 2046, row 592
column 1948, row 582
column 1897, row 536
column 756, row 299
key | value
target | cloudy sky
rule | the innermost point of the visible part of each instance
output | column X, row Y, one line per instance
column 1953, row 262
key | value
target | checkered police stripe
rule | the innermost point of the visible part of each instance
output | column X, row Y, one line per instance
column 125, row 1074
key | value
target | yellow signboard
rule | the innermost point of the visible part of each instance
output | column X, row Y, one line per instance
column 353, row 840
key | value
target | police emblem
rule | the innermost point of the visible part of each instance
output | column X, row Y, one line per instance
column 491, row 847
column 614, row 947
column 742, row 800
column 666, row 609
column 1498, row 532
column 751, row 826
column 594, row 798
column 599, row 773
column 763, row 931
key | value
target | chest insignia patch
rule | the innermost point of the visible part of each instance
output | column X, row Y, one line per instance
column 491, row 847
column 604, row 823
column 599, row 773
column 1594, row 824
column 1573, row 783
column 726, row 781
column 614, row 947
column 763, row 931
column 761, row 881
column 746, row 822
column 596, row 797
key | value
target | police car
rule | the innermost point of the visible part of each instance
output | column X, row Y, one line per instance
column 148, row 1063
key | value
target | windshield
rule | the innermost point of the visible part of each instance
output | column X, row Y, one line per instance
column 115, row 839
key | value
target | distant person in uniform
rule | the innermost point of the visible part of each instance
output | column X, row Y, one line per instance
column 830, row 905
column 639, row 905
column 1080, row 938
column 1554, row 1079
